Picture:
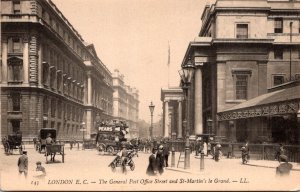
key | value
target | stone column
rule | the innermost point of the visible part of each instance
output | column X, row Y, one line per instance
column 4, row 61
column 166, row 118
column 89, row 89
column 179, row 124
column 198, row 100
column 25, row 61
column 89, row 124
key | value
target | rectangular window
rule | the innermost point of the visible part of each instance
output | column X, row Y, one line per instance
column 278, row 53
column 242, row 31
column 53, row 108
column 297, row 77
column 16, row 102
column 278, row 25
column 15, row 126
column 16, row 7
column 16, row 45
column 241, row 86
column 278, row 80
column 15, row 69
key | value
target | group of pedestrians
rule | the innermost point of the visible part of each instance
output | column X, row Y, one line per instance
column 40, row 171
column 158, row 160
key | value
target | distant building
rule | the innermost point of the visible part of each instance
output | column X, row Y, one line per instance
column 244, row 50
column 125, row 102
column 49, row 76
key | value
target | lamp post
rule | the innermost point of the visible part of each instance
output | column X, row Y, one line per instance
column 151, row 107
column 291, row 30
column 186, row 75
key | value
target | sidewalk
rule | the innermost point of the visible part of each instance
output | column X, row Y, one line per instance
column 209, row 162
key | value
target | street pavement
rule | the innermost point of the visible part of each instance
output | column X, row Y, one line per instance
column 88, row 170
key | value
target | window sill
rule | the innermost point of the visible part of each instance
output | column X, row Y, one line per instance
column 15, row 82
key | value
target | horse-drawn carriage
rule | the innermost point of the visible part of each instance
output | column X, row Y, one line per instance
column 13, row 142
column 111, row 136
column 51, row 148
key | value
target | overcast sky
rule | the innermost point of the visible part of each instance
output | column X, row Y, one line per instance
column 133, row 35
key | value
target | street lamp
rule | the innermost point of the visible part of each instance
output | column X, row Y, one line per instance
column 151, row 107
column 291, row 30
column 186, row 75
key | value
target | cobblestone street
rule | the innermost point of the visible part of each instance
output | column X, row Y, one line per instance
column 87, row 170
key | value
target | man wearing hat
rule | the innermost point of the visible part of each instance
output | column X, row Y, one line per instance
column 23, row 164
column 152, row 166
column 160, row 159
column 124, row 154
column 284, row 168
column 40, row 170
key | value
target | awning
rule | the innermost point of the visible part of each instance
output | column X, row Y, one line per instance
column 280, row 102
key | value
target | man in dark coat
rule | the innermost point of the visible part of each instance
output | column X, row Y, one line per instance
column 284, row 168
column 166, row 153
column 23, row 164
column 160, row 159
column 152, row 167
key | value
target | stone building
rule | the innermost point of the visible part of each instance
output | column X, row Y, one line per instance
column 173, row 108
column 49, row 76
column 243, row 51
column 126, row 103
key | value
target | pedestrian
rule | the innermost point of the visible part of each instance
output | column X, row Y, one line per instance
column 23, row 164
column 49, row 140
column 160, row 159
column 208, row 148
column 284, row 168
column 197, row 147
column 40, row 171
column 152, row 166
column 124, row 154
column 205, row 148
column 277, row 152
column 217, row 152
column 229, row 152
column 166, row 153
column 71, row 145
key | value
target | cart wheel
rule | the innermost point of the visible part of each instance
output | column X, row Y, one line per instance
column 110, row 149
column 132, row 166
column 101, row 149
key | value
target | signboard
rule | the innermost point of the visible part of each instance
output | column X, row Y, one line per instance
column 82, row 129
column 109, row 129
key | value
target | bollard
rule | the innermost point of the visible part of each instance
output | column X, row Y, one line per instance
column 78, row 145
column 202, row 162
column 173, row 158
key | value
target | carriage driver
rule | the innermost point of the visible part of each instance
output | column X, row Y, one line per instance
column 49, row 140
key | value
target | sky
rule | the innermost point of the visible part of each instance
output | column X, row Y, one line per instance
column 133, row 36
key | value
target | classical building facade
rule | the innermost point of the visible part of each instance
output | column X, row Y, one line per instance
column 125, row 103
column 173, row 108
column 243, row 51
column 49, row 76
